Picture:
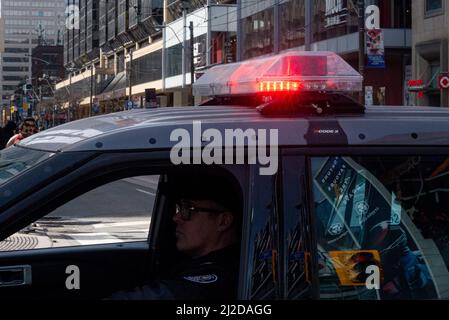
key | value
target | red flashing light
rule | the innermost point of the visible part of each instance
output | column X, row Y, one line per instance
column 280, row 86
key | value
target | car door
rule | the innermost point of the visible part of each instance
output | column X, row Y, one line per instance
column 84, row 234
column 380, row 222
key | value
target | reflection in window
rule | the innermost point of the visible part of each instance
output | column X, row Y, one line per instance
column 387, row 213
column 147, row 68
column 15, row 160
column 292, row 24
column 258, row 31
column 333, row 19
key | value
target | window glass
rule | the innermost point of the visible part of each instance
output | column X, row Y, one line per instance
column 433, row 6
column 382, row 227
column 15, row 160
column 258, row 31
column 116, row 212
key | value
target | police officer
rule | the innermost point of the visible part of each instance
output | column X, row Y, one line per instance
column 207, row 234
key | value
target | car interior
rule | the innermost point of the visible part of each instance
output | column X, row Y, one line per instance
column 104, row 268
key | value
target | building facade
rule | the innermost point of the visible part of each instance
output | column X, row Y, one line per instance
column 271, row 26
column 145, row 45
column 26, row 24
column 2, row 36
column 47, row 69
column 430, row 50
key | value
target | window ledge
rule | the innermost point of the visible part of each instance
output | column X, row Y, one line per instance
column 432, row 14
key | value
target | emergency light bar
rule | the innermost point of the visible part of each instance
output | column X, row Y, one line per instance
column 292, row 71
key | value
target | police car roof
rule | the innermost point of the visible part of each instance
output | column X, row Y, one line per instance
column 152, row 128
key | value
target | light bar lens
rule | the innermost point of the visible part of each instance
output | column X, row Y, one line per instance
column 293, row 71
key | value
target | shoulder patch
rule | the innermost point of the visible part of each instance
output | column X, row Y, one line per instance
column 207, row 278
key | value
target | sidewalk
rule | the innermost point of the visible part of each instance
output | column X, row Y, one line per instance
column 23, row 241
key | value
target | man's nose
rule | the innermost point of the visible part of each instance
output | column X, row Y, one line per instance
column 177, row 218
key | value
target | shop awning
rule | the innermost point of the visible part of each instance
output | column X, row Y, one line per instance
column 115, row 89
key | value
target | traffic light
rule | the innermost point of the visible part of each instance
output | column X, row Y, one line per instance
column 28, row 89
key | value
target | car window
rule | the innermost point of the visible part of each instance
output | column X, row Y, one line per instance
column 119, row 211
column 382, row 227
column 15, row 160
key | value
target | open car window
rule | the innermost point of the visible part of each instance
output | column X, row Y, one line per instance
column 119, row 211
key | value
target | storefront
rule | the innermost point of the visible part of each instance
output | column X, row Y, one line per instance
column 269, row 27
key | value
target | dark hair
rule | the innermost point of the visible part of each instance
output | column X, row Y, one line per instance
column 28, row 119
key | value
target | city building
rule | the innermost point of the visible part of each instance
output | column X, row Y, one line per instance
column 47, row 69
column 272, row 26
column 96, row 47
column 2, row 36
column 430, row 51
column 144, row 46
column 26, row 25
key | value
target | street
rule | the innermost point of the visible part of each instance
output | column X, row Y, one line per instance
column 122, row 215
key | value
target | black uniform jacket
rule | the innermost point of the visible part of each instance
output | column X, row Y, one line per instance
column 211, row 277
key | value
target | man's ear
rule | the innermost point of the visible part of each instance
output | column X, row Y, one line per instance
column 225, row 221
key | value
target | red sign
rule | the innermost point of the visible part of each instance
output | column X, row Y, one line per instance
column 415, row 83
column 443, row 81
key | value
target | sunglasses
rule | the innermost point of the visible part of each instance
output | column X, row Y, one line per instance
column 185, row 210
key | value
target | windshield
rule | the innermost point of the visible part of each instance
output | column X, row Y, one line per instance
column 15, row 160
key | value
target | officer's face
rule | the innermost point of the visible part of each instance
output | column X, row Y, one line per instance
column 197, row 227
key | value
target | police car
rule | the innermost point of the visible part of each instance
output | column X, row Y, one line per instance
column 340, row 201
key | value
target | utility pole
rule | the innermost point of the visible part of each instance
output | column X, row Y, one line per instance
column 184, row 19
column 361, row 14
column 308, row 26
column 130, row 76
column 91, row 88
column 239, row 30
column 209, row 33
column 192, row 65
column 277, row 27
column 70, row 103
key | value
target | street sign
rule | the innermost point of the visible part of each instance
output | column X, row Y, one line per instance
column 416, row 85
column 443, row 81
column 129, row 104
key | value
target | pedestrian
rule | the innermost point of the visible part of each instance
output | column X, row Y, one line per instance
column 27, row 129
column 8, row 131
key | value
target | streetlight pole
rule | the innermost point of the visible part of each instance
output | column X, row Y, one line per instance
column 70, row 104
column 130, row 76
column 183, row 65
column 192, row 65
